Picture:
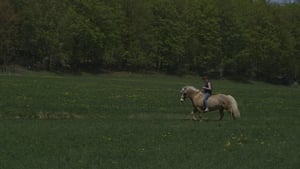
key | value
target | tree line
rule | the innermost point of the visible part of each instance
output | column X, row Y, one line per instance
column 247, row 38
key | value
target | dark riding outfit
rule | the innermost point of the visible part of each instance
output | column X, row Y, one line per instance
column 207, row 92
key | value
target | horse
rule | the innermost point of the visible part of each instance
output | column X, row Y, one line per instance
column 219, row 102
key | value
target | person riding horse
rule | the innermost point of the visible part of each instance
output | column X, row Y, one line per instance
column 219, row 102
column 207, row 91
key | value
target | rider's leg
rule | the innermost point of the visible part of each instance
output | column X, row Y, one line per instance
column 206, row 95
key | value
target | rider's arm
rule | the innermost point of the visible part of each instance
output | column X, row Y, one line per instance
column 207, row 88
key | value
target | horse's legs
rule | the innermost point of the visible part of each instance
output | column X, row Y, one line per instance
column 221, row 113
column 199, row 110
column 200, row 116
column 193, row 114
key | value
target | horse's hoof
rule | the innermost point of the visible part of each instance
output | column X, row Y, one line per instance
column 194, row 119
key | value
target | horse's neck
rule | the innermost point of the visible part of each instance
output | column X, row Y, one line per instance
column 195, row 98
column 193, row 94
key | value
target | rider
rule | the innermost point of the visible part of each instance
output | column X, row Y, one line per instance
column 207, row 91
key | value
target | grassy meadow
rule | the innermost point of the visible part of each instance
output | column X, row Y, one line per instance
column 130, row 121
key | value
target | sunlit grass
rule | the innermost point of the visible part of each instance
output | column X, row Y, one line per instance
column 136, row 121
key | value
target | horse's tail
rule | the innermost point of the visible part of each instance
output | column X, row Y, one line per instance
column 234, row 106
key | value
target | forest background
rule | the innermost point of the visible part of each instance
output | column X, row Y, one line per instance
column 244, row 38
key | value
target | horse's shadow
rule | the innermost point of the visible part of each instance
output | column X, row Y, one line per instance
column 214, row 120
column 206, row 119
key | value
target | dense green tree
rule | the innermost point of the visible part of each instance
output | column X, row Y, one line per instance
column 135, row 34
column 41, row 26
column 8, row 31
column 234, row 37
column 204, row 45
column 262, row 41
column 86, row 33
column 168, row 35
column 289, row 24
column 234, row 15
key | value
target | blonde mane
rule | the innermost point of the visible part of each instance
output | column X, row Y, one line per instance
column 192, row 88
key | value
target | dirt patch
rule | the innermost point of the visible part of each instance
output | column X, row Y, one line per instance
column 63, row 115
column 169, row 116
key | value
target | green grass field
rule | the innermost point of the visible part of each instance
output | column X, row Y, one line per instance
column 129, row 121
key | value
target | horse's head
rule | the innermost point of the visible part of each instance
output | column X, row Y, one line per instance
column 183, row 94
column 186, row 91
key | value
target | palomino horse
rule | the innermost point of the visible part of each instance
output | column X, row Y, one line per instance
column 219, row 102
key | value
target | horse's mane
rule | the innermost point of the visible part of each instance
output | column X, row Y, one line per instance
column 192, row 88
